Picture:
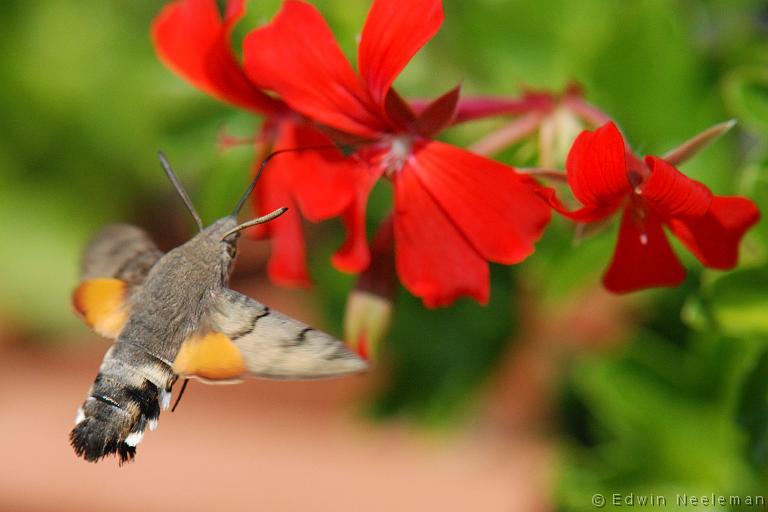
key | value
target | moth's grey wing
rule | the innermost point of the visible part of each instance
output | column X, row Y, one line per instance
column 120, row 251
column 274, row 345
column 115, row 263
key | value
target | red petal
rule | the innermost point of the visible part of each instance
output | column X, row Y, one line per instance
column 354, row 255
column 323, row 181
column 498, row 210
column 714, row 238
column 287, row 263
column 379, row 277
column 398, row 112
column 434, row 260
column 394, row 31
column 597, row 167
column 671, row 193
column 637, row 265
column 439, row 114
column 583, row 215
column 297, row 56
column 193, row 40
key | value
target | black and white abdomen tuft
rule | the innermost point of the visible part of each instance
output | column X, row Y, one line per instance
column 120, row 406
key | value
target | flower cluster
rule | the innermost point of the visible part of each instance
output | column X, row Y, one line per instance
column 455, row 210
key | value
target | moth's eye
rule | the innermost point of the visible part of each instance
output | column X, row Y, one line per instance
column 231, row 250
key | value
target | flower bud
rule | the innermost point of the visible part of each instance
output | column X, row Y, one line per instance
column 557, row 132
column 369, row 306
column 366, row 322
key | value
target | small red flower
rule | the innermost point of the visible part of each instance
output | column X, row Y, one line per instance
column 605, row 176
column 454, row 210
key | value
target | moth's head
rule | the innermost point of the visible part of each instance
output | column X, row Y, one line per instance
column 225, row 233
column 220, row 237
column 218, row 243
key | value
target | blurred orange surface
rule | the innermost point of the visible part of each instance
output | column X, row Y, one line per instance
column 261, row 445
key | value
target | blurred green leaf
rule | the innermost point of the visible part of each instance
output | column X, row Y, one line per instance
column 654, row 417
column 752, row 411
column 760, row 193
column 739, row 302
column 564, row 264
column 746, row 94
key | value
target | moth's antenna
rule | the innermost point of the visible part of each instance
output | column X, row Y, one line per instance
column 179, row 188
column 269, row 157
column 260, row 220
column 181, row 393
column 252, row 185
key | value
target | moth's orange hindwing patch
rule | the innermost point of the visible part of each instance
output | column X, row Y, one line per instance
column 211, row 356
column 101, row 303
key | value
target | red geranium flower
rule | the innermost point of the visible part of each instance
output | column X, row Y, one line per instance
column 454, row 210
column 193, row 38
column 604, row 176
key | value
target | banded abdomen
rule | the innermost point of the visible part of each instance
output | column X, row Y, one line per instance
column 130, row 390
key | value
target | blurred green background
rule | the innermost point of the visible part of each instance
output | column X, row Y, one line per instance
column 677, row 400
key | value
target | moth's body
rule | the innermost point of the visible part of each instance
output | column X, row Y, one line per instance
column 177, row 292
column 172, row 315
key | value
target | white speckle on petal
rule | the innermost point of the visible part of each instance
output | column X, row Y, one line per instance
column 644, row 239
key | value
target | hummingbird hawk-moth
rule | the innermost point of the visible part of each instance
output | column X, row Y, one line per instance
column 172, row 315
